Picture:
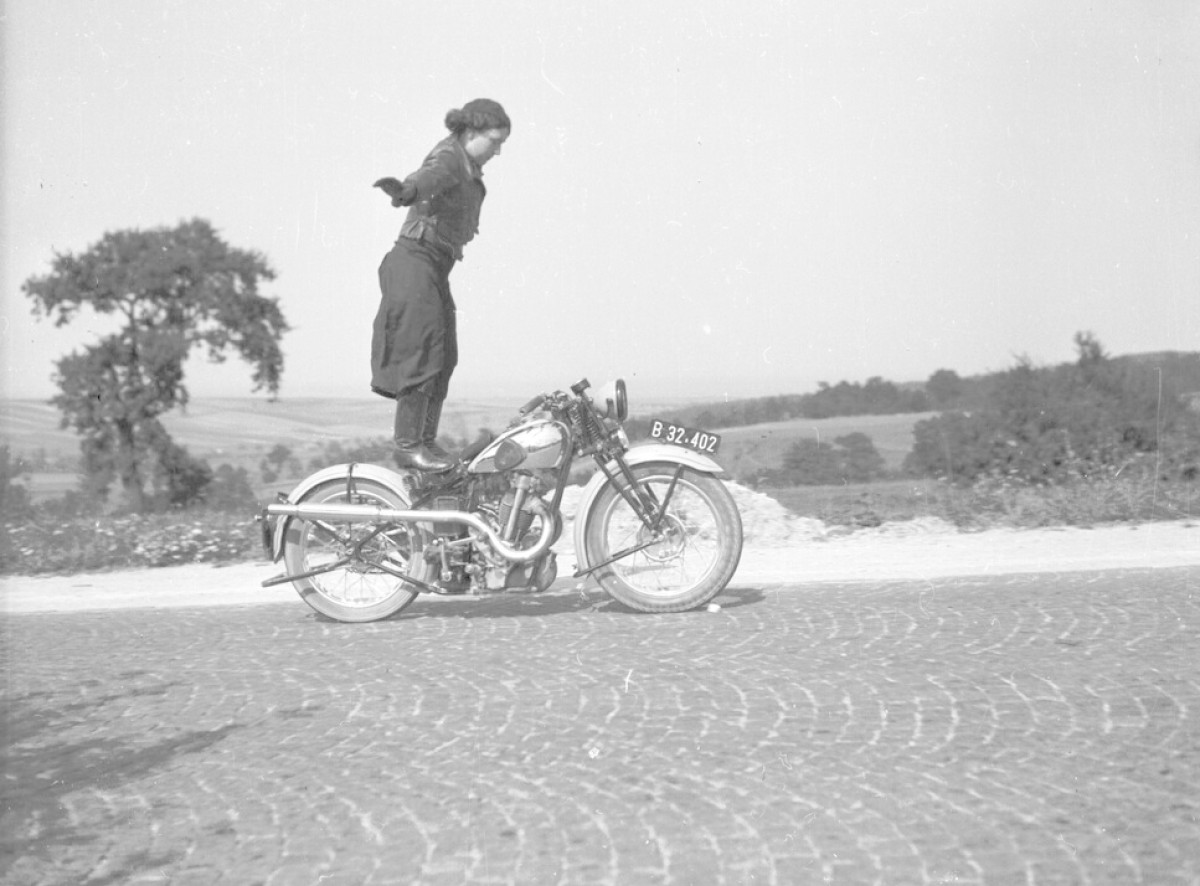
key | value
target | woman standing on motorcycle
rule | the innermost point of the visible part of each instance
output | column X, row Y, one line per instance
column 414, row 347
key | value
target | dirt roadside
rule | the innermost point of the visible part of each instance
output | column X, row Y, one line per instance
column 792, row 552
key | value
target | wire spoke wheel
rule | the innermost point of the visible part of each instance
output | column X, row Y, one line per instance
column 353, row 569
column 683, row 562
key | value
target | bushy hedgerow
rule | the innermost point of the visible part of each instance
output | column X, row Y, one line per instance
column 78, row 531
column 995, row 502
column 1093, row 418
column 80, row 543
column 1081, row 502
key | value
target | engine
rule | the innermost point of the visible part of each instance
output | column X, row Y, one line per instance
column 465, row 561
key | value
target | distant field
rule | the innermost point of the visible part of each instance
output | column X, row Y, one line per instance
column 231, row 426
column 240, row 430
column 763, row 446
column 27, row 426
column 225, row 426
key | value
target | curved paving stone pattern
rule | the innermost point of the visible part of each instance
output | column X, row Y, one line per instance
column 1019, row 729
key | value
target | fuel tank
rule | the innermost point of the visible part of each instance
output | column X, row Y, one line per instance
column 533, row 445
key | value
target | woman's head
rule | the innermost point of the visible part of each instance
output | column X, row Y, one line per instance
column 480, row 114
column 482, row 126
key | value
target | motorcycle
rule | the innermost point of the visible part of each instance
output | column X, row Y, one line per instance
column 655, row 526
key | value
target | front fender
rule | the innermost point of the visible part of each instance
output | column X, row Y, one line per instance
column 637, row 455
column 389, row 478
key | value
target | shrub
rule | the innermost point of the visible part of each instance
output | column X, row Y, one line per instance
column 230, row 490
column 14, row 498
column 78, row 532
column 1120, row 495
column 180, row 479
column 851, row 458
column 278, row 461
column 380, row 451
column 1059, row 424
column 81, row 543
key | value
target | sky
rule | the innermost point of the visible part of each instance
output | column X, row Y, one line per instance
column 709, row 199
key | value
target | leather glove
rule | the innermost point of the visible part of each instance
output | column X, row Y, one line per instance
column 401, row 196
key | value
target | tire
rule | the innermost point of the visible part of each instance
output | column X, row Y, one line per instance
column 690, row 565
column 356, row 592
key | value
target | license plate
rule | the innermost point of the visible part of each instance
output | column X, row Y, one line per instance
column 693, row 438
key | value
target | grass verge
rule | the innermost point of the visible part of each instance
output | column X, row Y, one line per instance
column 993, row 504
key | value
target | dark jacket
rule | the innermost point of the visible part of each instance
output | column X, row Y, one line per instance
column 447, row 193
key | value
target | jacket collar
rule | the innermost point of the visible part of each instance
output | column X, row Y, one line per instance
column 473, row 169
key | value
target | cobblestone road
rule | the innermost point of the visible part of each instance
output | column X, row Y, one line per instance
column 1031, row 729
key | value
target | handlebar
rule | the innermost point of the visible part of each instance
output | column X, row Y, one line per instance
column 532, row 404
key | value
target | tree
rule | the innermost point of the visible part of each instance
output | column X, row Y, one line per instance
column 851, row 458
column 944, row 387
column 172, row 290
column 277, row 461
column 14, row 498
column 179, row 479
column 1089, row 349
column 811, row 462
column 861, row 461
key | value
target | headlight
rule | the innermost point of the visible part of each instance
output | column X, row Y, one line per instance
column 613, row 400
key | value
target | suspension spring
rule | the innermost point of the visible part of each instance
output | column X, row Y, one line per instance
column 579, row 418
column 590, row 431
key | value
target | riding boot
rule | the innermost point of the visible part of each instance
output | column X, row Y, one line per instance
column 411, row 451
column 433, row 416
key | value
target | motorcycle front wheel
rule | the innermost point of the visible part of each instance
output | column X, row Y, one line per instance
column 689, row 561
column 347, row 581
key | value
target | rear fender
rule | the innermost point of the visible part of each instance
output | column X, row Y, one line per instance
column 389, row 478
column 637, row 455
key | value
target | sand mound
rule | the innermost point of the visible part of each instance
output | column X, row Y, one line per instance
column 768, row 524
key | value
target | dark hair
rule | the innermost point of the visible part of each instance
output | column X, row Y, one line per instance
column 480, row 114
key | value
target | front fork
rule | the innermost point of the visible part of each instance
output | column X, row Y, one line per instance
column 643, row 502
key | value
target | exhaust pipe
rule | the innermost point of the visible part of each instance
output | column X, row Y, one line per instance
column 346, row 513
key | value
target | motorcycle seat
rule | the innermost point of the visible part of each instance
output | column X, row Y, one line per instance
column 473, row 449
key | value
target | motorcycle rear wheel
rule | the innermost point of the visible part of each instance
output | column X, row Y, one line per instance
column 693, row 560
column 357, row 591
